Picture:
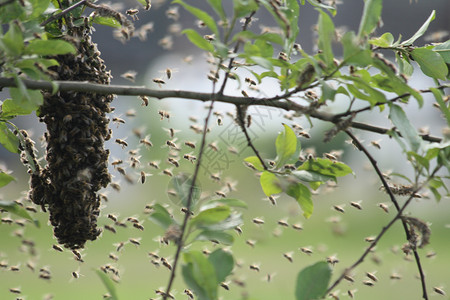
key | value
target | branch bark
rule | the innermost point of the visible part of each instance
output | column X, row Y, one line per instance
column 126, row 90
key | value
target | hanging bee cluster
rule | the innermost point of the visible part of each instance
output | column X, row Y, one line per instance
column 77, row 127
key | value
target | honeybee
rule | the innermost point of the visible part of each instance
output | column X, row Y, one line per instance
column 209, row 37
column 395, row 276
column 368, row 282
column 75, row 274
column 154, row 164
column 77, row 254
column 213, row 146
column 376, row 144
column 339, row 208
column 168, row 172
column 351, row 293
column 135, row 241
column 164, row 114
column 238, row 230
column 172, row 13
column 117, row 162
column 118, row 121
column 15, row 290
column 58, row 248
column 369, row 239
column 251, row 243
column 330, row 156
column 130, row 75
column 166, row 263
column 166, row 42
column 138, row 226
column 283, row 223
column 221, row 194
column 171, row 144
column 121, row 142
column 258, row 221
column 173, row 161
column 146, row 142
column 132, row 12
column 384, row 207
column 119, row 246
column 250, row 81
column 144, row 100
column 159, row 81
column 110, row 228
column 225, row 285
column 189, row 293
column 332, row 260
column 190, row 157
column 356, row 205
column 371, row 276
column 288, row 256
column 306, row 250
column 244, row 93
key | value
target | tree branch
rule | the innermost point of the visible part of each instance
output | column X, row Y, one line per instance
column 126, row 90
column 64, row 12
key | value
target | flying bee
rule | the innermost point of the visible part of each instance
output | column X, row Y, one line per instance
column 304, row 134
column 15, row 290
column 110, row 228
column 146, row 142
column 372, row 276
column 255, row 267
column 273, row 199
column 113, row 257
column 173, row 13
column 213, row 146
column 31, row 208
column 351, row 293
column 219, row 121
column 283, row 223
column 258, row 221
column 238, row 230
column 171, row 144
column 368, row 282
column 395, row 276
column 119, row 246
column 190, row 157
column 221, row 194
column 332, row 260
column 306, row 250
column 75, row 274
column 190, row 144
column 244, row 93
column 122, row 143
column 349, row 278
column 173, row 161
column 143, row 177
column 117, row 162
column 339, row 208
column 356, row 205
column 168, row 172
column 196, row 128
column 215, row 177
column 330, row 156
column 135, row 241
column 77, row 254
column 288, row 256
column 376, row 144
column 212, row 77
column 144, row 100
column 384, row 207
column 158, row 81
column 166, row 263
column 58, row 248
column 189, row 293
column 154, row 164
column 121, row 170
column 132, row 12
column 251, row 243
column 130, row 75
column 118, row 121
column 138, row 226
column 250, row 81
column 164, row 114
column 369, row 239
column 225, row 285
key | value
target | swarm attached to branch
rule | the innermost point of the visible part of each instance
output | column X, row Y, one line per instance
column 77, row 127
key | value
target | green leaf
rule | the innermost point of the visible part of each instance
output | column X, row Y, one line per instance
column 242, row 8
column 182, row 184
column 311, row 176
column 430, row 62
column 12, row 42
column 421, row 30
column 438, row 96
column 444, row 50
column 211, row 216
column 286, row 145
column 218, row 8
column 312, row 282
column 326, row 36
column 8, row 139
column 50, row 47
column 302, row 195
column 235, row 219
column 13, row 207
column 370, row 18
column 321, row 5
column 223, row 263
column 326, row 167
column 107, row 21
column 108, row 283
column 201, row 15
column 203, row 274
column 404, row 66
column 188, row 275
column 384, row 41
column 216, row 236
column 270, row 184
column 231, row 202
column 198, row 40
column 354, row 53
column 5, row 179
column 161, row 216
column 39, row 6
column 401, row 121
column 254, row 160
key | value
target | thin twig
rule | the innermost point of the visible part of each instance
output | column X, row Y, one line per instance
column 126, row 90
column 64, row 12
column 395, row 202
